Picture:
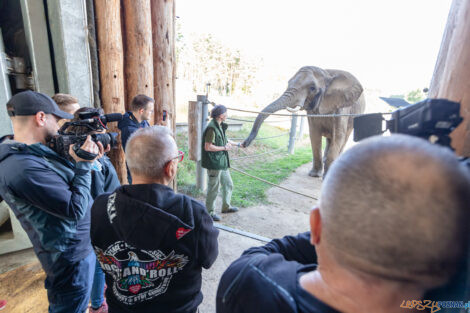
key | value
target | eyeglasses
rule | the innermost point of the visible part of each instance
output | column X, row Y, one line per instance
column 180, row 156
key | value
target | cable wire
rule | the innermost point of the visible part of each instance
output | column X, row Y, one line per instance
column 272, row 184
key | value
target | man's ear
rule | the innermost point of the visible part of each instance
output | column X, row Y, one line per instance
column 170, row 169
column 40, row 118
column 315, row 226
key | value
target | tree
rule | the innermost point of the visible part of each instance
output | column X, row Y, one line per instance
column 415, row 96
column 203, row 58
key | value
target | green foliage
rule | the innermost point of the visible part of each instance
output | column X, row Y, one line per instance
column 415, row 96
column 412, row 96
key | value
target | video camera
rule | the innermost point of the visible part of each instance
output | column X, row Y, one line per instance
column 431, row 119
column 88, row 122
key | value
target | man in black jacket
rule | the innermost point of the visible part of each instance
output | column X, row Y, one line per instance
column 391, row 224
column 151, row 242
column 141, row 112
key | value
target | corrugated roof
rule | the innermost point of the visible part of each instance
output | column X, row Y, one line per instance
column 396, row 102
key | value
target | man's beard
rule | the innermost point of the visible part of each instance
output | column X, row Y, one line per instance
column 50, row 135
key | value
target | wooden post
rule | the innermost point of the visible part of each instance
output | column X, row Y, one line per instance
column 164, row 62
column 163, row 35
column 451, row 78
column 108, row 20
column 302, row 127
column 292, row 133
column 194, row 130
column 138, row 42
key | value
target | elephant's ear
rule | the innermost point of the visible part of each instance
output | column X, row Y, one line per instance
column 342, row 91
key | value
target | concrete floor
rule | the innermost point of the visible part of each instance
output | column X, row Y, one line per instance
column 13, row 260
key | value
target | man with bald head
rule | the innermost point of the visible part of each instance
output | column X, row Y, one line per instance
column 152, row 243
column 390, row 224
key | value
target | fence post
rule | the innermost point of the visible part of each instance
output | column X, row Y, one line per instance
column 201, row 177
column 302, row 127
column 293, row 131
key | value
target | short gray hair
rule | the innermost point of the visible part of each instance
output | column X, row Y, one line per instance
column 397, row 207
column 149, row 149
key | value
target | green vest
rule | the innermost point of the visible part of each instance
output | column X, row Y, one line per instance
column 215, row 160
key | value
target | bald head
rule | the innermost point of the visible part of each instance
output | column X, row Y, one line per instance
column 148, row 150
column 397, row 207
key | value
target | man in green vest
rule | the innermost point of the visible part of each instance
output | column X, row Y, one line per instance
column 214, row 157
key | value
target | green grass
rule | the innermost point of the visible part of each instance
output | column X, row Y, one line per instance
column 249, row 191
column 271, row 167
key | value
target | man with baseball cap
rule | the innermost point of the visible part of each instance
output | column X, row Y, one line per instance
column 50, row 196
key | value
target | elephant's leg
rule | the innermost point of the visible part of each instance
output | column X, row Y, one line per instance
column 338, row 141
column 327, row 149
column 315, row 141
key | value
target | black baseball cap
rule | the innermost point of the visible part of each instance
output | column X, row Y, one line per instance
column 31, row 102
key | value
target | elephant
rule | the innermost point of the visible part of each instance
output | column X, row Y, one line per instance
column 320, row 91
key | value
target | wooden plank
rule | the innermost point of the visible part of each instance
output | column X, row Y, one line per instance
column 108, row 22
column 194, row 130
column 138, row 53
column 451, row 79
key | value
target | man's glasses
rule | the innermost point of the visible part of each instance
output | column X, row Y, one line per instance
column 180, row 156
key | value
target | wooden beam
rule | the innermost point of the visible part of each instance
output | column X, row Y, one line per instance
column 451, row 78
column 138, row 43
column 163, row 34
column 108, row 22
column 164, row 71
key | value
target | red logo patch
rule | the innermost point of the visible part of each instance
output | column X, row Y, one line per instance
column 181, row 232
column 135, row 288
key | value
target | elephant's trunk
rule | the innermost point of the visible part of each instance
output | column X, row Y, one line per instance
column 279, row 104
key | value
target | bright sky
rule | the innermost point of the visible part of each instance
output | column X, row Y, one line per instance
column 387, row 45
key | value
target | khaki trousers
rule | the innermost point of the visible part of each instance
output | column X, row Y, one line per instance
column 219, row 179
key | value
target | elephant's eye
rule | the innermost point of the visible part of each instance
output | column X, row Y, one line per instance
column 312, row 88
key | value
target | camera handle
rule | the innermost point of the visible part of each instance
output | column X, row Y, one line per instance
column 82, row 153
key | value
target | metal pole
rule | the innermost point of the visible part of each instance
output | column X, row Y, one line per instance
column 201, row 177
column 302, row 128
column 293, row 131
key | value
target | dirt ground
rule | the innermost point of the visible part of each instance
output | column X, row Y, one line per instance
column 285, row 214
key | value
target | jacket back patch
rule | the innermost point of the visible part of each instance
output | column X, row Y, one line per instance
column 139, row 275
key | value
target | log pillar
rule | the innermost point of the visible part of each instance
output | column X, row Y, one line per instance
column 451, row 78
column 163, row 33
column 108, row 22
column 139, row 55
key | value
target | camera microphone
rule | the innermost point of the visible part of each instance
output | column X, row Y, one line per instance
column 112, row 117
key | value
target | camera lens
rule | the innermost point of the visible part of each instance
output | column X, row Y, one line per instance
column 106, row 139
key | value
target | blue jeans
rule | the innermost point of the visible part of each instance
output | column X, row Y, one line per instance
column 97, row 289
column 74, row 299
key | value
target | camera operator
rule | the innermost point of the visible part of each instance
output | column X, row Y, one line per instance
column 104, row 179
column 51, row 198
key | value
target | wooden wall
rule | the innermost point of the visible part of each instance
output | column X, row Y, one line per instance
column 136, row 56
column 451, row 78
